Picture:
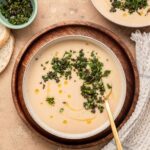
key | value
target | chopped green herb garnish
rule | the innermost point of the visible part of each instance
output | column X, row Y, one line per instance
column 16, row 11
column 109, row 86
column 50, row 100
column 44, row 68
column 101, row 108
column 64, row 102
column 51, row 75
column 90, row 70
column 61, row 110
column 46, row 62
column 106, row 73
column 130, row 5
column 43, row 86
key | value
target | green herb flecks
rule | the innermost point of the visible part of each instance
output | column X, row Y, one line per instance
column 61, row 110
column 50, row 100
column 109, row 86
column 16, row 11
column 61, row 67
column 89, row 70
column 130, row 5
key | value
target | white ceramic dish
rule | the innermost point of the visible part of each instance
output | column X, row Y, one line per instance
column 95, row 131
column 120, row 17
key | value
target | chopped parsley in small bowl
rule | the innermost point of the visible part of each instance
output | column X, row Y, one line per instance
column 17, row 14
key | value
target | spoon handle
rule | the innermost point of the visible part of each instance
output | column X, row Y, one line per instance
column 113, row 126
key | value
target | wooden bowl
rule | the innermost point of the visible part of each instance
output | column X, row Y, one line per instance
column 85, row 29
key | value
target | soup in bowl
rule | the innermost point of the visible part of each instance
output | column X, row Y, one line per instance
column 65, row 85
column 125, row 12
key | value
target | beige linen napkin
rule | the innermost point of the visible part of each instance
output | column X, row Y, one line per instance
column 135, row 134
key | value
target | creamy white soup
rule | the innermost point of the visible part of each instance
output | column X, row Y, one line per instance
column 59, row 102
column 123, row 17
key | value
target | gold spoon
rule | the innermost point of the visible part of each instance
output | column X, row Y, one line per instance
column 112, row 123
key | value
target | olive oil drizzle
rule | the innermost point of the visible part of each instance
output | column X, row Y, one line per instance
column 70, row 107
column 87, row 120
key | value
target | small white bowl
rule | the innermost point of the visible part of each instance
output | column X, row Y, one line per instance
column 95, row 131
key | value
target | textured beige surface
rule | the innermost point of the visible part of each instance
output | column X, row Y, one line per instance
column 14, row 134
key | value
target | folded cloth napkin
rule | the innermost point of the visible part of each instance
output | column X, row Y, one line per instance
column 135, row 134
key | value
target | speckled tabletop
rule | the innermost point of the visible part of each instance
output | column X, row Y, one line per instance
column 14, row 134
